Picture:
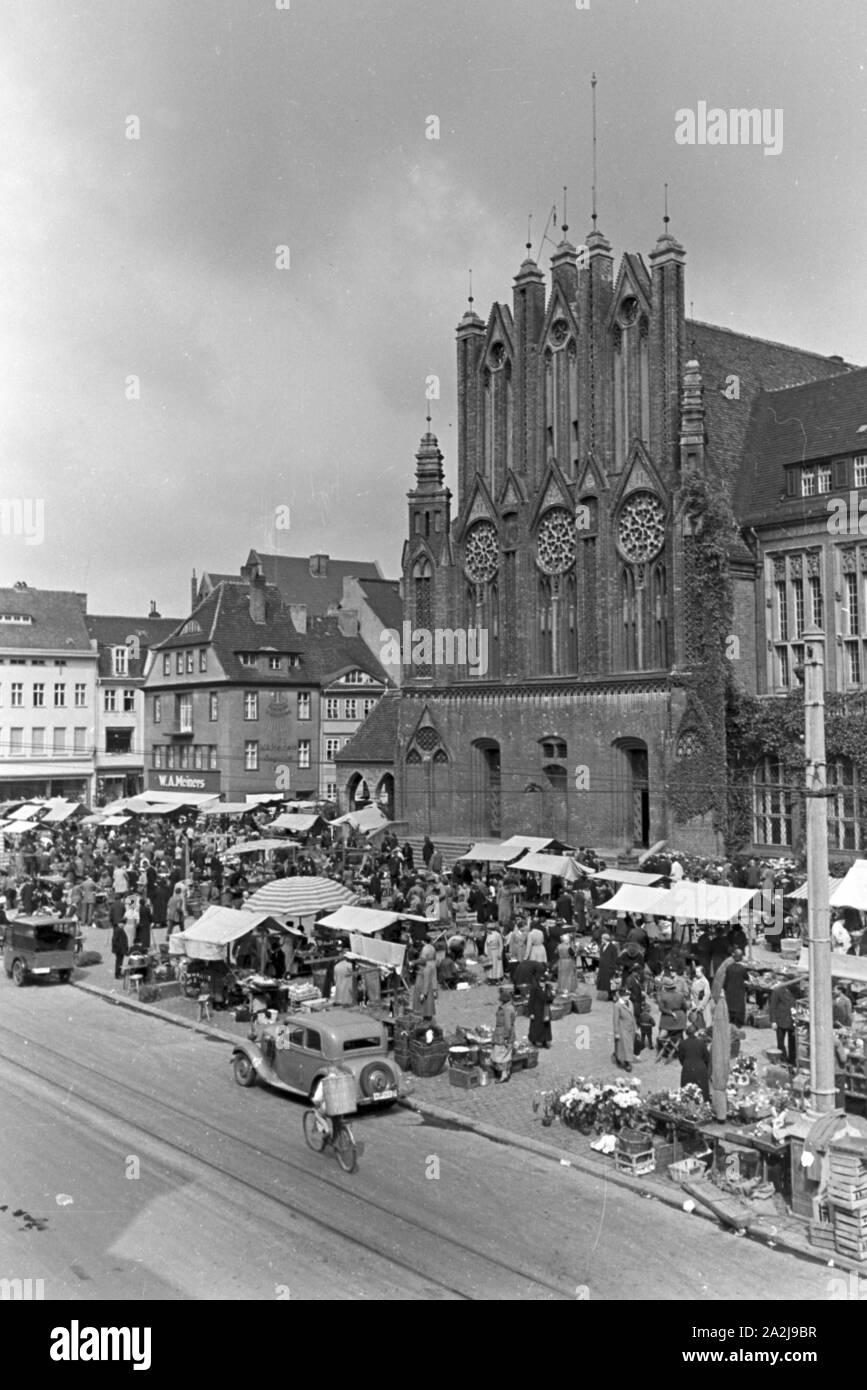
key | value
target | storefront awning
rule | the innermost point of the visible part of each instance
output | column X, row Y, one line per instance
column 115, row 820
column 62, row 811
column 25, row 812
column 852, row 892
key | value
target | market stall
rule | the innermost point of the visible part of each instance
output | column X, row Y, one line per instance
column 300, row 899
column 215, row 944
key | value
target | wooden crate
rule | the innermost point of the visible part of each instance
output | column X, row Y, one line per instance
column 636, row 1164
column 467, row 1078
column 850, row 1232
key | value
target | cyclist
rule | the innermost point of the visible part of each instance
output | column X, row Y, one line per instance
column 324, row 1121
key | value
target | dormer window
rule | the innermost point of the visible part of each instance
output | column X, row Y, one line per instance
column 823, row 477
column 249, row 659
column 808, row 482
column 861, row 470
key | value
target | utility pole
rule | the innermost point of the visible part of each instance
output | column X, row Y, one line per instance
column 818, row 917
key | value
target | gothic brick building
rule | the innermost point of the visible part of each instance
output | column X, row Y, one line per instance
column 582, row 411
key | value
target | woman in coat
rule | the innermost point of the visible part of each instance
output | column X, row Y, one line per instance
column 567, row 979
column 672, row 1011
column 344, row 992
column 694, row 1057
column 700, row 1000
column 536, row 947
column 539, row 1007
column 608, row 957
column 624, row 1030
column 424, row 991
column 494, row 952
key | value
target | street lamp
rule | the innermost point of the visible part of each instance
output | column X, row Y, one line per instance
column 823, row 1090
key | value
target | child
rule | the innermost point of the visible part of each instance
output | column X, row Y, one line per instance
column 645, row 1023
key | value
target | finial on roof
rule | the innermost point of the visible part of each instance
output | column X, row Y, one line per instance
column 529, row 242
column 470, row 295
column 666, row 219
column 593, row 92
column 564, row 223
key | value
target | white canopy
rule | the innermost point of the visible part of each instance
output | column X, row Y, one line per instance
column 227, row 808
column 175, row 798
column 263, row 798
column 61, row 810
column 388, row 955
column 299, row 897
column 295, row 822
column 627, row 876
column 560, row 865
column 852, row 892
column 368, row 819
column 18, row 827
column 253, row 847
column 97, row 819
column 633, row 897
column 801, row 893
column 490, row 853
column 366, row 920
column 534, row 843
column 115, row 820
column 216, row 929
column 25, row 812
column 707, row 902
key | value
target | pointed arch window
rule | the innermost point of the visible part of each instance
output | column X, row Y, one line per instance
column 546, row 629
column 629, row 619
column 422, row 578
column 570, row 615
column 488, row 422
column 659, row 616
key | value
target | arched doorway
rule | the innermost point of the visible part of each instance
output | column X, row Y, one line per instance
column 357, row 792
column 487, row 807
column 385, row 795
column 633, row 809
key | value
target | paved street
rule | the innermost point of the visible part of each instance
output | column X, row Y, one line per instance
column 229, row 1202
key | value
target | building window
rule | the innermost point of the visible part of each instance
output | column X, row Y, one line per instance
column 129, row 702
column 368, row 706
column 861, row 470
column 853, row 664
column 823, row 477
column 783, row 676
column 79, row 740
column 853, row 611
column 179, row 663
column 199, row 757
column 817, row 607
column 772, row 804
column 118, row 740
column 332, row 708
column 157, row 755
column 17, row 696
column 37, row 742
column 212, row 757
column 293, row 660
column 185, row 714
column 203, row 659
column 213, row 707
column 808, row 482
column 191, row 662
column 39, row 695
column 798, row 600
column 330, row 791
column 120, row 661
column 16, row 741
column 248, row 659
column 59, row 745
column 158, row 710
column 251, row 756
column 273, row 663
column 185, row 758
column 355, row 678
column 350, row 709
column 80, row 695
column 843, row 805
column 167, row 666
column 251, row 704
column 59, row 696
column 782, row 611
column 109, row 700
column 303, row 752
column 303, row 704
column 332, row 746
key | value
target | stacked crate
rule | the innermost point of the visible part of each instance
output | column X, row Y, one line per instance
column 847, row 1196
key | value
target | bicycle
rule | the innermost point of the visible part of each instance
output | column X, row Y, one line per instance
column 341, row 1139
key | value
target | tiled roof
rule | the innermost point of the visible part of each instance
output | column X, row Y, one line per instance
column 759, row 365
column 383, row 596
column 291, row 574
column 816, row 421
column 376, row 739
column 113, row 632
column 58, row 620
column 329, row 652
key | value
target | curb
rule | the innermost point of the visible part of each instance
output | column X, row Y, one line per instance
column 756, row 1230
column 775, row 1240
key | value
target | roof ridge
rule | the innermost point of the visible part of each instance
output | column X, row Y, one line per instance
column 774, row 342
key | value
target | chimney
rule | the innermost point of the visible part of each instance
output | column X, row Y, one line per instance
column 257, row 598
column 319, row 566
column 194, row 587
column 347, row 622
column 298, row 614
column 153, row 613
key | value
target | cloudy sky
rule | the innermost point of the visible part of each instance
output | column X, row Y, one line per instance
column 304, row 127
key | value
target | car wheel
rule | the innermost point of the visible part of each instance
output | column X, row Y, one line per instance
column 65, row 976
column 19, row 974
column 245, row 1072
column 374, row 1078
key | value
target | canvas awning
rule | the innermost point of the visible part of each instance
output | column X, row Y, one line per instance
column 366, row 920
column 689, row 901
column 19, row 827
column 217, row 928
column 633, row 897
column 560, row 865
column 25, row 812
column 263, row 798
column 254, row 847
column 96, row 819
column 115, row 820
column 299, row 897
column 852, row 892
column 368, row 819
column 61, row 810
column 227, row 808
column 627, row 876
column 535, row 843
column 295, row 822
column 177, row 798
column 388, row 955
column 485, row 853
column 800, row 894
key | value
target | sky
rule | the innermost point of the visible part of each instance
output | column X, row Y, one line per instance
column 175, row 389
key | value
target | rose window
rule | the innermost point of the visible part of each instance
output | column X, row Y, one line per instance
column 641, row 529
column 482, row 554
column 559, row 329
column 555, row 550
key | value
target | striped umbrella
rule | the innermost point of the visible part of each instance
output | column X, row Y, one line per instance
column 300, row 896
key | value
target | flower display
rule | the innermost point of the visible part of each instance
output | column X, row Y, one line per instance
column 587, row 1104
column 683, row 1103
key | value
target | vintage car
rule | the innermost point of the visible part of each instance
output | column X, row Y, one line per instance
column 38, row 944
column 295, row 1052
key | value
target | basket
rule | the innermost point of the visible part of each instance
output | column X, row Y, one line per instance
column 685, row 1168
column 463, row 1058
column 339, row 1093
column 428, row 1059
column 560, row 1007
column 637, row 1141
column 582, row 1004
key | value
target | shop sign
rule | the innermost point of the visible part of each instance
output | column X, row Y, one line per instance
column 176, row 781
